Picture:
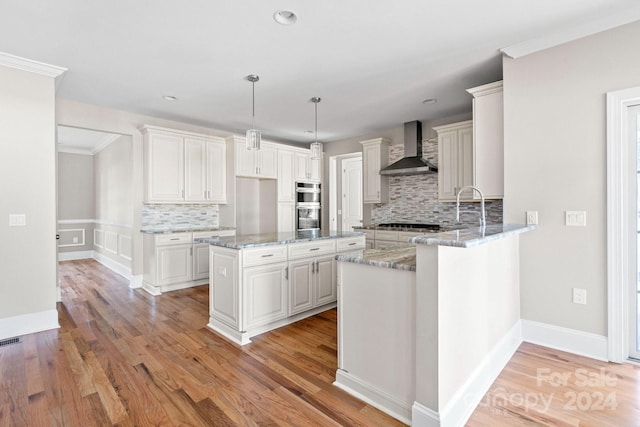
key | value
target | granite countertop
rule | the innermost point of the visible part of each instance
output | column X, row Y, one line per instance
column 412, row 229
column 399, row 258
column 181, row 229
column 470, row 237
column 272, row 239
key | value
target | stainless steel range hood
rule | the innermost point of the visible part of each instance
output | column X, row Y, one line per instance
column 412, row 163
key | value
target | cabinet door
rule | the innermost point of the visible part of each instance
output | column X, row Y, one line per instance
column 447, row 164
column 265, row 294
column 216, row 172
column 300, row 286
column 286, row 217
column 224, row 288
column 325, row 280
column 315, row 170
column 371, row 164
column 174, row 264
column 245, row 161
column 200, row 261
column 465, row 159
column 286, row 181
column 301, row 166
column 268, row 162
column 195, row 152
column 165, row 167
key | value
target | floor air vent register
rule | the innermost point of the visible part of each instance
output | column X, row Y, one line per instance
column 9, row 341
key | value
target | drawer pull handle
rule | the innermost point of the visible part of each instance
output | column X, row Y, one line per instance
column 314, row 249
column 175, row 238
column 352, row 244
column 267, row 255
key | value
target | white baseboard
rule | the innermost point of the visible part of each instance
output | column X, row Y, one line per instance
column 152, row 290
column 135, row 281
column 421, row 416
column 28, row 323
column 374, row 396
column 565, row 339
column 72, row 256
column 112, row 265
column 462, row 404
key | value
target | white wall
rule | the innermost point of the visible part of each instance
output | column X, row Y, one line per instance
column 555, row 161
column 28, row 176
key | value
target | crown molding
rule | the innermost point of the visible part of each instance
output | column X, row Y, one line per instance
column 106, row 141
column 30, row 65
column 74, row 150
column 570, row 34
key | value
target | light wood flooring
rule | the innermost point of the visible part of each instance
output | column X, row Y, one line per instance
column 123, row 357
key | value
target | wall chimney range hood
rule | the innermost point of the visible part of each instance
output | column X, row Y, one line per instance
column 412, row 163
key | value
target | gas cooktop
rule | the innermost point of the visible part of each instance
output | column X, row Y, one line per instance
column 410, row 225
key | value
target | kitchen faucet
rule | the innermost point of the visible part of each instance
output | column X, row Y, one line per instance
column 483, row 216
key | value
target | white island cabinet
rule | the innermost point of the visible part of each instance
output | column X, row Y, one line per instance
column 261, row 282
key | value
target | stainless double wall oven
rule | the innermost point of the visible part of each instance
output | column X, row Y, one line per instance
column 308, row 210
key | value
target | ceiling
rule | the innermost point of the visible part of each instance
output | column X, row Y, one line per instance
column 371, row 62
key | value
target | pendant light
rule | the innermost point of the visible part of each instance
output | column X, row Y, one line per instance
column 252, row 141
column 316, row 147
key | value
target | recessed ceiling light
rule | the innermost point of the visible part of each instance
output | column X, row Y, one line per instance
column 285, row 17
column 430, row 101
column 169, row 98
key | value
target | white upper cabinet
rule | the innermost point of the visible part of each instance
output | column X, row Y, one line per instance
column 286, row 180
column 375, row 156
column 179, row 167
column 472, row 152
column 216, row 171
column 306, row 168
column 260, row 163
column 455, row 160
column 164, row 164
column 195, row 166
column 488, row 138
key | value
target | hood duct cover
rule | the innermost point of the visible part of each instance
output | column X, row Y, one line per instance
column 412, row 163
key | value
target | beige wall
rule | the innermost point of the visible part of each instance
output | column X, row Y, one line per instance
column 28, row 176
column 113, row 174
column 555, row 156
column 75, row 186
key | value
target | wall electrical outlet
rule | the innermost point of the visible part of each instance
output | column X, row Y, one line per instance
column 532, row 217
column 17, row 220
column 75, row 240
column 579, row 296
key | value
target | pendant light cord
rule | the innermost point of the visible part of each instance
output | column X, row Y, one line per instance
column 253, row 103
column 316, row 122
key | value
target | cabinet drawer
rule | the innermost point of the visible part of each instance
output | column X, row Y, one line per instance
column 173, row 239
column 350, row 244
column 266, row 255
column 310, row 249
column 386, row 235
column 217, row 233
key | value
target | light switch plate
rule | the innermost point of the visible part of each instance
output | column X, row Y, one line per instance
column 579, row 296
column 575, row 218
column 532, row 217
column 17, row 220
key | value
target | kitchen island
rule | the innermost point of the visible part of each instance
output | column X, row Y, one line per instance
column 260, row 282
column 451, row 322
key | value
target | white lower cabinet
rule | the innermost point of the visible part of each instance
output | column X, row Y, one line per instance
column 200, row 261
column 174, row 264
column 254, row 290
column 174, row 261
column 265, row 294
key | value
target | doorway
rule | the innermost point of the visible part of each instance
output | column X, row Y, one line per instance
column 345, row 191
column 633, row 113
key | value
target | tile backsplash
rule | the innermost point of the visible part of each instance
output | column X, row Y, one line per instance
column 414, row 198
column 176, row 216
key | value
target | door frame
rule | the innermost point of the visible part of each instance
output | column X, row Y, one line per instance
column 621, row 264
column 334, row 190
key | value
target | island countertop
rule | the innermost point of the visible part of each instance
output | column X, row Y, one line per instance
column 399, row 258
column 271, row 239
column 470, row 237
